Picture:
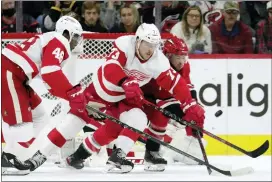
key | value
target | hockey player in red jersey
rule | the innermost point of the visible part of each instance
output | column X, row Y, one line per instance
column 177, row 52
column 133, row 62
column 22, row 111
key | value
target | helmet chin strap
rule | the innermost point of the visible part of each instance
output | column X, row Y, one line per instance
column 137, row 49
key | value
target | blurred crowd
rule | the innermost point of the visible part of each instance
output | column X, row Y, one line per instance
column 225, row 27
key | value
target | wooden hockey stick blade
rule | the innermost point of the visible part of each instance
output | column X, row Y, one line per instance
column 242, row 171
column 256, row 153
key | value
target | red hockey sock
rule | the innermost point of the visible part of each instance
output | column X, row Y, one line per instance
column 107, row 133
column 27, row 144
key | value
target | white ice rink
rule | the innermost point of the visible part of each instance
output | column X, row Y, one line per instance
column 50, row 172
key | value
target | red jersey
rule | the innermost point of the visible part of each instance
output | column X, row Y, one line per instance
column 153, row 90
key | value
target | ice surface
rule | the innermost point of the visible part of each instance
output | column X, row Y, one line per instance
column 174, row 172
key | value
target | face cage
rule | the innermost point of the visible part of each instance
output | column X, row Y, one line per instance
column 78, row 38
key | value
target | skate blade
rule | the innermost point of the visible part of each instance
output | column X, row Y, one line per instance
column 64, row 164
column 154, row 167
column 112, row 168
column 14, row 172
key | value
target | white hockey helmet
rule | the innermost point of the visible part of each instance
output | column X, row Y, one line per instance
column 148, row 33
column 70, row 24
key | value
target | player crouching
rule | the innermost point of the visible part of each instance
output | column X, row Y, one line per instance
column 183, row 137
column 137, row 62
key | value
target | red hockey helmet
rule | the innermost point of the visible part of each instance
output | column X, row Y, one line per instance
column 175, row 45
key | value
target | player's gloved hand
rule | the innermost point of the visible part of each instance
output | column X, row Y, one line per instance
column 193, row 112
column 77, row 102
column 92, row 102
column 133, row 92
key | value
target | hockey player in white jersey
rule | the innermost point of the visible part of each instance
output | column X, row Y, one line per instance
column 23, row 113
column 133, row 62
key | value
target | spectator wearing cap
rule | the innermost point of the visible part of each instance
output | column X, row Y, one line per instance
column 264, row 32
column 191, row 29
column 91, row 21
column 230, row 36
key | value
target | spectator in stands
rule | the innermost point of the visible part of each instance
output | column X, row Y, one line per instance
column 191, row 29
column 211, row 10
column 170, row 12
column 129, row 20
column 109, row 14
column 60, row 8
column 90, row 18
column 251, row 12
column 35, row 8
column 230, row 36
column 30, row 25
column 264, row 32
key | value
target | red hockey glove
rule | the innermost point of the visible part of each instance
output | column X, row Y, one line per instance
column 133, row 92
column 77, row 102
column 193, row 112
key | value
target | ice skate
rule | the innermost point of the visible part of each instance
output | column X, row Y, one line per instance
column 117, row 162
column 154, row 162
column 36, row 160
column 77, row 159
column 11, row 165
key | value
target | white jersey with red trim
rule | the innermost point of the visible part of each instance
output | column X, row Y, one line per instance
column 43, row 55
column 123, row 62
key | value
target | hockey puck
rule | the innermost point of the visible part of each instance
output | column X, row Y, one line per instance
column 218, row 113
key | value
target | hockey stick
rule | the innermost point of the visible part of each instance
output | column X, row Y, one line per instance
column 255, row 153
column 238, row 172
column 203, row 151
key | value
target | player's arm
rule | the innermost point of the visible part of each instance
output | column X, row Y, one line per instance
column 185, row 73
column 113, row 68
column 176, row 85
column 53, row 55
column 173, row 82
column 114, row 73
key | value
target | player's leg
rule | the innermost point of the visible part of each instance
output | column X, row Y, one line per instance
column 156, row 128
column 75, row 120
column 39, row 114
column 133, row 117
column 109, row 132
column 85, row 150
column 17, row 125
column 67, row 153
column 89, row 144
column 93, row 143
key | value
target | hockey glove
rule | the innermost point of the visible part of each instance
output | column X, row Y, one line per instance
column 77, row 102
column 133, row 92
column 193, row 112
